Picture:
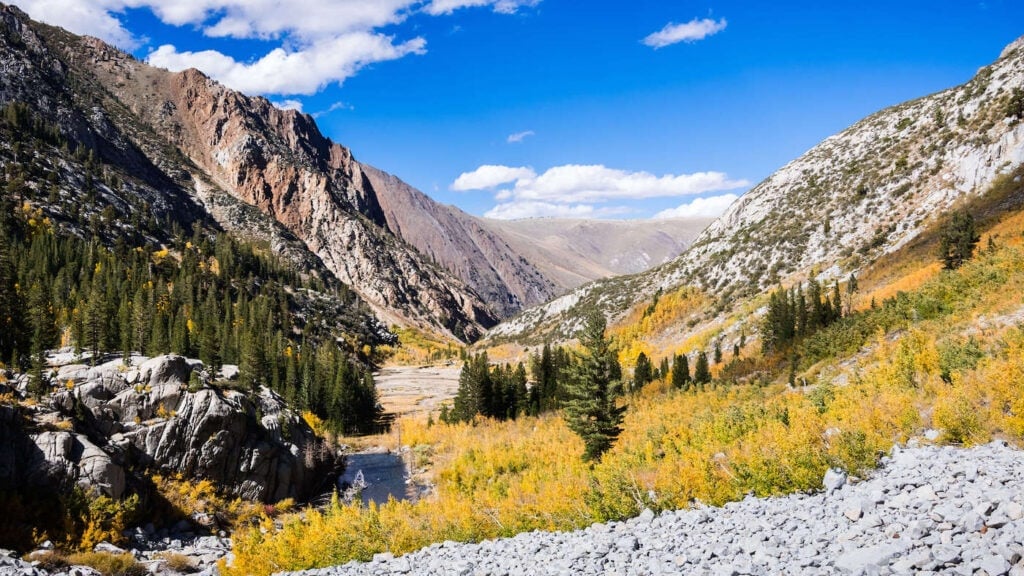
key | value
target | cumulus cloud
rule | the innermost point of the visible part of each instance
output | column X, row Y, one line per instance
column 304, row 71
column 490, row 176
column 691, row 31
column 710, row 207
column 520, row 136
column 319, row 43
column 587, row 190
column 598, row 183
column 289, row 104
column 94, row 18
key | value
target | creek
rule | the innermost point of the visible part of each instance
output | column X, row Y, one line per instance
column 383, row 474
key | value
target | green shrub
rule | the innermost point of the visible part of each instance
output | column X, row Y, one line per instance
column 959, row 419
column 958, row 356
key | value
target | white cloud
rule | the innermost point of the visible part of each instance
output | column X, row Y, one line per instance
column 586, row 190
column 518, row 210
column 333, row 108
column 318, row 43
column 710, row 207
column 597, row 183
column 438, row 7
column 489, row 176
column 520, row 136
column 289, row 104
column 691, row 31
column 94, row 18
column 305, row 71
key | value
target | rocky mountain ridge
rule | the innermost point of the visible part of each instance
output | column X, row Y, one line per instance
column 186, row 149
column 857, row 195
column 230, row 149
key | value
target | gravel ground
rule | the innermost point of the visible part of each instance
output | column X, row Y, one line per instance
column 928, row 510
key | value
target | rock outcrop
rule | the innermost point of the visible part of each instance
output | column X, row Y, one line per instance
column 60, row 457
column 112, row 419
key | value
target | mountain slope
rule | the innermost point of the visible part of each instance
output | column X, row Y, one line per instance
column 239, row 163
column 462, row 244
column 278, row 162
column 854, row 197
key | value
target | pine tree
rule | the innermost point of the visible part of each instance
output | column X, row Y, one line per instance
column 475, row 393
column 545, row 369
column 142, row 322
column 209, row 341
column 681, row 372
column 718, row 351
column 95, row 318
column 818, row 316
column 957, row 240
column 44, row 335
column 124, row 330
column 851, row 289
column 11, row 321
column 642, row 371
column 836, row 303
column 591, row 391
column 702, row 372
column 252, row 369
column 522, row 393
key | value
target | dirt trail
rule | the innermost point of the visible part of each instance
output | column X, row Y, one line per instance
column 416, row 391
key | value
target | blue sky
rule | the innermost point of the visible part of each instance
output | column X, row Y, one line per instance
column 516, row 108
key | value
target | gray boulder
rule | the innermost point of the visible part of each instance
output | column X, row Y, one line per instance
column 64, row 457
column 170, row 369
column 215, row 435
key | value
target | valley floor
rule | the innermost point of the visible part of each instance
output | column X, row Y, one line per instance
column 416, row 390
column 927, row 510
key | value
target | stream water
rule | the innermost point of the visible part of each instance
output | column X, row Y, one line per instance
column 383, row 473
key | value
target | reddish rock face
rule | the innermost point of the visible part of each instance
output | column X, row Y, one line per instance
column 278, row 162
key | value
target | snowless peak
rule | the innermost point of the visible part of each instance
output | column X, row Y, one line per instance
column 1013, row 46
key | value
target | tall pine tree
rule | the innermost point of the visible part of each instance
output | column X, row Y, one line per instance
column 681, row 372
column 642, row 372
column 591, row 391
column 702, row 372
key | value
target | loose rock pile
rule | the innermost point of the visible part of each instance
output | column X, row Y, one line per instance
column 930, row 510
column 150, row 548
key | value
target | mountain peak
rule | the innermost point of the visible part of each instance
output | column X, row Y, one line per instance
column 1012, row 47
